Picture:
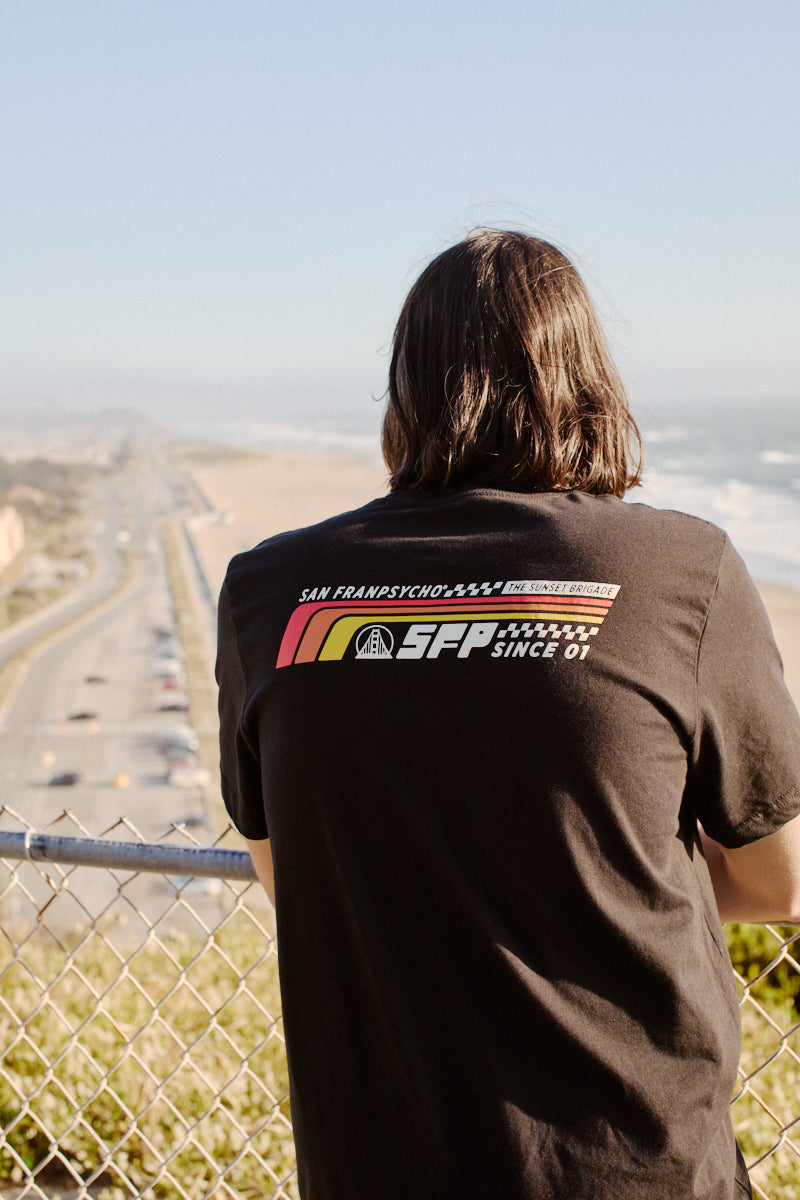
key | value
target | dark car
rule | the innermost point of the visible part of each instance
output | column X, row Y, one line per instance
column 66, row 779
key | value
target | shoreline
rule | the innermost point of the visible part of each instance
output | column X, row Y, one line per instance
column 782, row 603
column 257, row 497
column 279, row 490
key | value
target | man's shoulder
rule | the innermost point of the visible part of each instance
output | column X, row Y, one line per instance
column 671, row 519
column 644, row 531
column 642, row 524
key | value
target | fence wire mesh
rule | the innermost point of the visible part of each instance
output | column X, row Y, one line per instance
column 141, row 1033
column 143, row 1049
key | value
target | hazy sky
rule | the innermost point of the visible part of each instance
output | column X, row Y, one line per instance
column 239, row 194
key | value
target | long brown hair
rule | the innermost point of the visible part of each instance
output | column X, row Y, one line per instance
column 501, row 377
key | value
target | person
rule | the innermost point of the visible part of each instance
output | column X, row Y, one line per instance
column 496, row 741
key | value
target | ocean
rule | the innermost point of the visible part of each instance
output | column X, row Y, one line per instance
column 736, row 464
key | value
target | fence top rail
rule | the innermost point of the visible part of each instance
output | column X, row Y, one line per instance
column 208, row 862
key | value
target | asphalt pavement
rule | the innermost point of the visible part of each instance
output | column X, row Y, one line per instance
column 88, row 726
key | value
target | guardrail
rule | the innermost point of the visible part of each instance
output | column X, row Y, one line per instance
column 141, row 1032
column 201, row 863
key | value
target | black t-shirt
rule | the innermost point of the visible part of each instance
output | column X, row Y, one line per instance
column 480, row 729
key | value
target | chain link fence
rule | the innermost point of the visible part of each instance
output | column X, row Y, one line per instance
column 141, row 1034
column 142, row 1046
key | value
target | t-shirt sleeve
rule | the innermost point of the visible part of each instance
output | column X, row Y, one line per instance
column 745, row 773
column 240, row 765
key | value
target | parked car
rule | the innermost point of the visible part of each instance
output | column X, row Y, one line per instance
column 181, row 735
column 66, row 779
column 172, row 701
column 188, row 775
column 168, row 667
column 170, row 684
column 83, row 714
column 169, row 647
column 175, row 753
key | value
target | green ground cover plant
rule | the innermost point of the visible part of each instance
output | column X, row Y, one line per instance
column 149, row 1070
column 765, row 960
column 120, row 1062
column 56, row 509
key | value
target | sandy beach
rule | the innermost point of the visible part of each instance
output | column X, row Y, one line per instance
column 280, row 490
column 271, row 493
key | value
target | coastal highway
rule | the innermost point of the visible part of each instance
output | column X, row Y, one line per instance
column 130, row 502
column 105, row 542
column 91, row 706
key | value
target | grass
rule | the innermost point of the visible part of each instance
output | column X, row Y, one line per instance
column 157, row 1065
column 770, row 1101
column 766, row 961
column 60, row 532
column 55, row 526
column 153, row 1070
column 19, row 598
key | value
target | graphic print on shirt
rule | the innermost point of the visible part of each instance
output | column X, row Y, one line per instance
column 518, row 618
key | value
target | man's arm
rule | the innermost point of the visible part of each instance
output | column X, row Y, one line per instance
column 261, row 857
column 759, row 882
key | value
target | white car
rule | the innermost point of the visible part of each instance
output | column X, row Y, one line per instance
column 172, row 700
column 181, row 735
column 168, row 668
column 187, row 775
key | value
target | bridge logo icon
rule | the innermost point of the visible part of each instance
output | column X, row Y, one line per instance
column 374, row 641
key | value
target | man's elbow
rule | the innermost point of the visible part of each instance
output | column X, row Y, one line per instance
column 789, row 904
column 759, row 882
column 766, row 875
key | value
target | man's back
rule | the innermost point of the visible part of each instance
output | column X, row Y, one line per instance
column 484, row 725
